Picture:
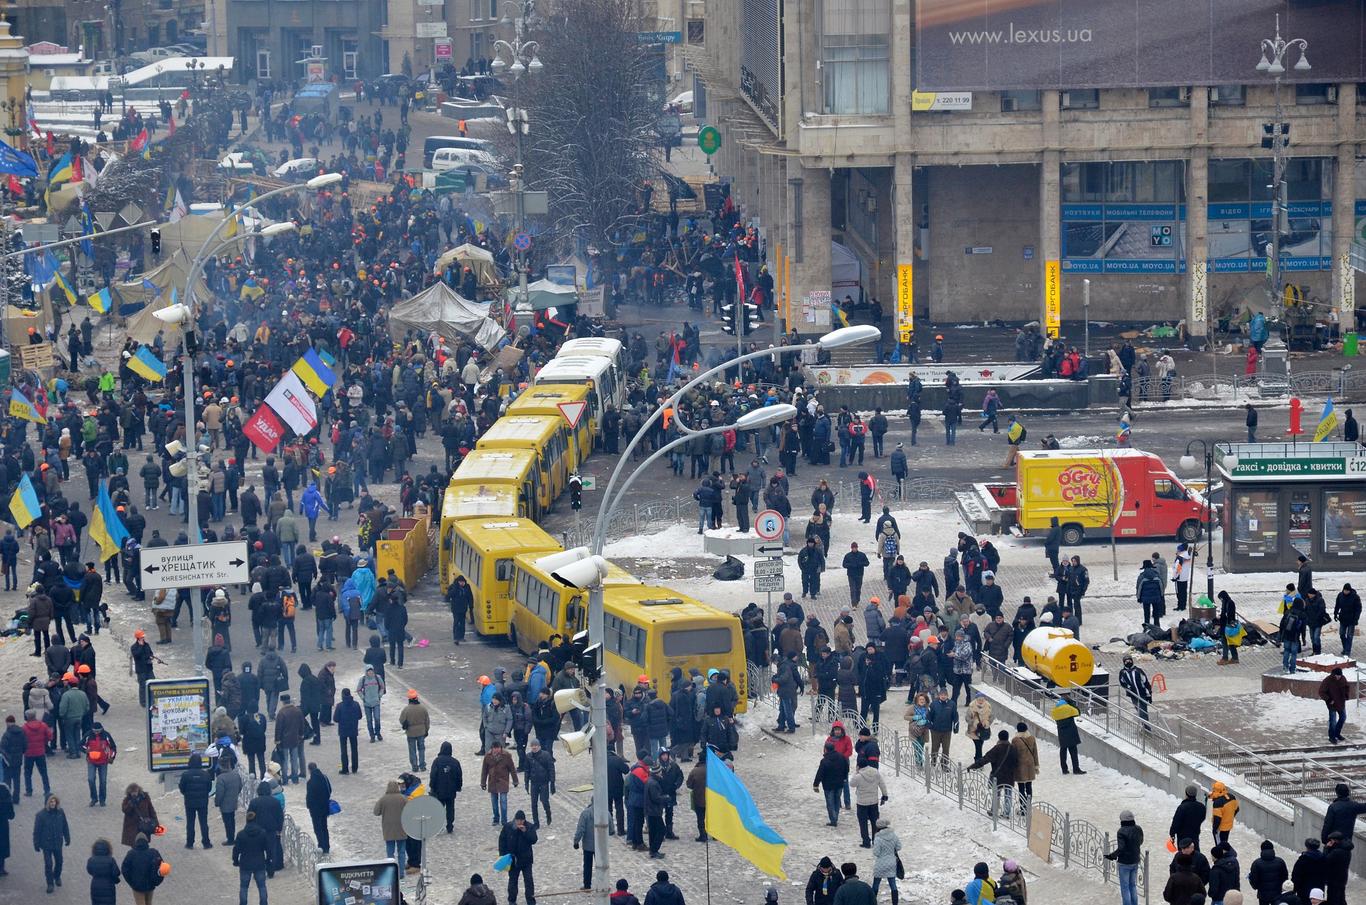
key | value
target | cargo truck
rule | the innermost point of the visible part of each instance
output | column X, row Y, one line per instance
column 1088, row 491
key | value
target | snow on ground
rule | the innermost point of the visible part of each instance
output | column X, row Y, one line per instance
column 1285, row 710
column 1083, row 442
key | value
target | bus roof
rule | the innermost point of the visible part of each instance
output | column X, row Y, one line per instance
column 511, row 430
column 574, row 369
column 475, row 500
column 545, row 398
column 591, row 346
column 652, row 603
column 504, row 535
column 494, row 465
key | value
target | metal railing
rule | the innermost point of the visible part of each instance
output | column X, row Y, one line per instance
column 1076, row 843
column 1340, row 383
column 300, row 850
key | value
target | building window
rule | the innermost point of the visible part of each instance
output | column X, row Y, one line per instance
column 1227, row 96
column 263, row 64
column 1169, row 97
column 349, row 54
column 476, row 10
column 1021, row 101
column 1080, row 99
column 1309, row 95
column 855, row 56
column 493, row 8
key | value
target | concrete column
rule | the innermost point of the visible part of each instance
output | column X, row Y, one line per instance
column 1344, row 208
column 902, row 307
column 809, row 241
column 1196, row 281
column 1050, row 217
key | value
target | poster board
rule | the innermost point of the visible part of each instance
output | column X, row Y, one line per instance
column 358, row 883
column 1041, row 834
column 177, row 722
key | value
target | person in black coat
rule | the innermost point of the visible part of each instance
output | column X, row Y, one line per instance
column 195, row 784
column 318, row 800
column 1310, row 871
column 1337, row 855
column 251, row 854
column 1347, row 613
column 251, row 689
column 1342, row 814
column 252, row 726
column 104, row 874
column 1267, row 874
column 270, row 816
column 445, row 782
column 51, row 833
column 142, row 866
column 824, row 883
column 6, row 815
column 1189, row 818
column 518, row 839
column 347, row 716
column 1223, row 875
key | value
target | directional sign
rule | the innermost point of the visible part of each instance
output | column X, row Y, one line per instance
column 769, row 524
column 766, row 568
column 768, row 548
column 203, row 565
column 769, row 583
column 573, row 412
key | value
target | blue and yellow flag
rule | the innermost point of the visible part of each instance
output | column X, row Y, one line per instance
column 24, row 507
column 20, row 407
column 839, row 314
column 101, row 301
column 61, row 170
column 145, row 363
column 316, row 375
column 63, row 285
column 106, row 528
column 1328, row 422
column 733, row 820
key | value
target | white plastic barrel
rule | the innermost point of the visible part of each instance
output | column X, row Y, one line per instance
column 1058, row 656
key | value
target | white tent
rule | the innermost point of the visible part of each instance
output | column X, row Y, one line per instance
column 442, row 310
column 846, row 273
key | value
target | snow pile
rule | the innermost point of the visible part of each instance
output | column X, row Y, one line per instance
column 1285, row 711
column 1083, row 442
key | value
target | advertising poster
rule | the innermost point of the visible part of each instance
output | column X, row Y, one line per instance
column 177, row 722
column 1301, row 531
column 1256, row 523
column 1344, row 522
column 358, row 883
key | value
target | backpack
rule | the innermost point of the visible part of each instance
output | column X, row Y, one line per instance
column 288, row 603
column 98, row 750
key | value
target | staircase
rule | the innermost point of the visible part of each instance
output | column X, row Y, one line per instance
column 1284, row 772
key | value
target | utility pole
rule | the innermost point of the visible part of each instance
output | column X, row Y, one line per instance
column 1276, row 137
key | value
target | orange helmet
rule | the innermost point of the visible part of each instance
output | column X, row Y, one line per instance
column 83, row 669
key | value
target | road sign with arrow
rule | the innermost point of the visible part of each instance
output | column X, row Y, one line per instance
column 202, row 565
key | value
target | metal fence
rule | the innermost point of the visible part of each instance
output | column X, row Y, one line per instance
column 1340, row 383
column 300, row 851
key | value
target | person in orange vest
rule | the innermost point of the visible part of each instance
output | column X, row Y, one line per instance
column 461, row 126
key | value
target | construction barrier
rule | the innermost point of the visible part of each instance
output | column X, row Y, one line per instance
column 404, row 548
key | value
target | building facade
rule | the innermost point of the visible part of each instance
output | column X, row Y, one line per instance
column 272, row 39
column 985, row 164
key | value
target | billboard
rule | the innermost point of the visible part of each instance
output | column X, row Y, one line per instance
column 177, row 722
column 358, row 883
column 994, row 45
column 761, row 58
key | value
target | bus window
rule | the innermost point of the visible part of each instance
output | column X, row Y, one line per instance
column 502, row 570
column 697, row 642
column 573, row 616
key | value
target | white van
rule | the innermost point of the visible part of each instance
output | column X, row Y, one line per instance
column 454, row 158
column 598, row 373
column 598, row 347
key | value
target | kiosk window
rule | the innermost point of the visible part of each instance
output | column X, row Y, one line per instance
column 1256, row 522
column 1344, row 522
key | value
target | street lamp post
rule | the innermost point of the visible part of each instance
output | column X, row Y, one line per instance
column 763, row 417
column 183, row 316
column 1190, row 463
column 524, row 60
column 1274, row 53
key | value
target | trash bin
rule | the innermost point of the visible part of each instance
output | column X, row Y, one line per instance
column 1349, row 345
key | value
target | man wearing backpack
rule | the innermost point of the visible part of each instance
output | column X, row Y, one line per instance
column 289, row 605
column 100, row 752
column 1292, row 628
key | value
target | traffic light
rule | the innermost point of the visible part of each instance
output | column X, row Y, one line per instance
column 588, row 657
column 752, row 319
column 156, row 242
column 1269, row 134
column 728, row 319
column 575, row 492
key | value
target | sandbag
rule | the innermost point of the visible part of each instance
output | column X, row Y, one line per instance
column 730, row 570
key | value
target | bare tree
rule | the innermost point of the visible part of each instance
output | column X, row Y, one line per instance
column 592, row 135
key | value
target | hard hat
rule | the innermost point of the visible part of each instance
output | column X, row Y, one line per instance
column 485, row 680
column 139, row 634
column 83, row 669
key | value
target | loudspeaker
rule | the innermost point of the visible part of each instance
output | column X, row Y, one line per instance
column 577, row 742
column 567, row 699
column 180, row 467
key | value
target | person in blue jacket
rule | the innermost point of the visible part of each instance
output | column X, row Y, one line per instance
column 312, row 503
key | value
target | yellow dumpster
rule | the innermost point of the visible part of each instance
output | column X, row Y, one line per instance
column 403, row 548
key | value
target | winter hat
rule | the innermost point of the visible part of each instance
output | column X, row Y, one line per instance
column 826, row 862
column 1010, row 865
column 1126, row 815
column 1268, row 845
column 883, row 823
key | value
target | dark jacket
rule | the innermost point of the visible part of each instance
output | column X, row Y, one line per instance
column 195, row 784
column 317, row 793
column 270, row 815
column 1223, row 876
column 50, row 830
column 520, row 844
column 833, row 771
column 1341, row 817
column 854, row 891
column 446, row 779
column 251, row 848
column 141, row 867
column 1188, row 819
column 104, row 876
column 347, row 716
column 821, row 888
column 664, row 893
column 1128, row 843
column 1267, row 874
column 1310, row 872
column 1181, row 885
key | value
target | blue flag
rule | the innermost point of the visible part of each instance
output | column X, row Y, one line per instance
column 88, row 228
column 16, row 162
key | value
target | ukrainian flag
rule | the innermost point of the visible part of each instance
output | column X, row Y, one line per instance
column 106, row 528
column 101, row 301
column 316, row 375
column 733, row 820
column 20, row 407
column 61, row 171
column 24, row 507
column 147, row 365
column 1328, row 421
column 231, row 229
column 63, row 285
column 839, row 314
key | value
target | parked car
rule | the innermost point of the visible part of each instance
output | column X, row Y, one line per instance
column 394, row 85
column 298, row 168
column 450, row 158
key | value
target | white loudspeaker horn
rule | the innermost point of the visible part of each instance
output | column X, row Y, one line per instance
column 180, row 467
column 567, row 699
column 577, row 742
column 175, row 448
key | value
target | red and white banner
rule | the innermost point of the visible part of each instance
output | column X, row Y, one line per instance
column 291, row 402
column 264, row 429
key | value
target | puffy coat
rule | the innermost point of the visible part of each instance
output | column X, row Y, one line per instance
column 104, row 875
column 657, row 718
column 446, row 779
column 1267, row 874
column 141, row 868
column 868, row 785
column 50, row 830
column 195, row 783
column 886, row 844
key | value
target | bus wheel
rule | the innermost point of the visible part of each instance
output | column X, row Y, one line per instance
column 1072, row 535
column 1189, row 532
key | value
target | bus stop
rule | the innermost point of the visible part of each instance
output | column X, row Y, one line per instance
column 1282, row 500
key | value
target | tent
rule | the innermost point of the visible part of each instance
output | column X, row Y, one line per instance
column 172, row 273
column 479, row 259
column 544, row 294
column 439, row 309
column 846, row 273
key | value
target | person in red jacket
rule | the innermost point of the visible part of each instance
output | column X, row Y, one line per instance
column 844, row 745
column 37, row 736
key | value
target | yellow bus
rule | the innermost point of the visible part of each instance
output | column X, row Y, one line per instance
column 542, row 606
column 545, row 399
column 516, row 468
column 483, row 551
column 545, row 435
column 462, row 501
column 649, row 629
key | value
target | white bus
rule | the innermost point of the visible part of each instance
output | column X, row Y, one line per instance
column 599, row 347
column 598, row 373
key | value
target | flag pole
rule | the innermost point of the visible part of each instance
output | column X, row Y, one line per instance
column 707, row 845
